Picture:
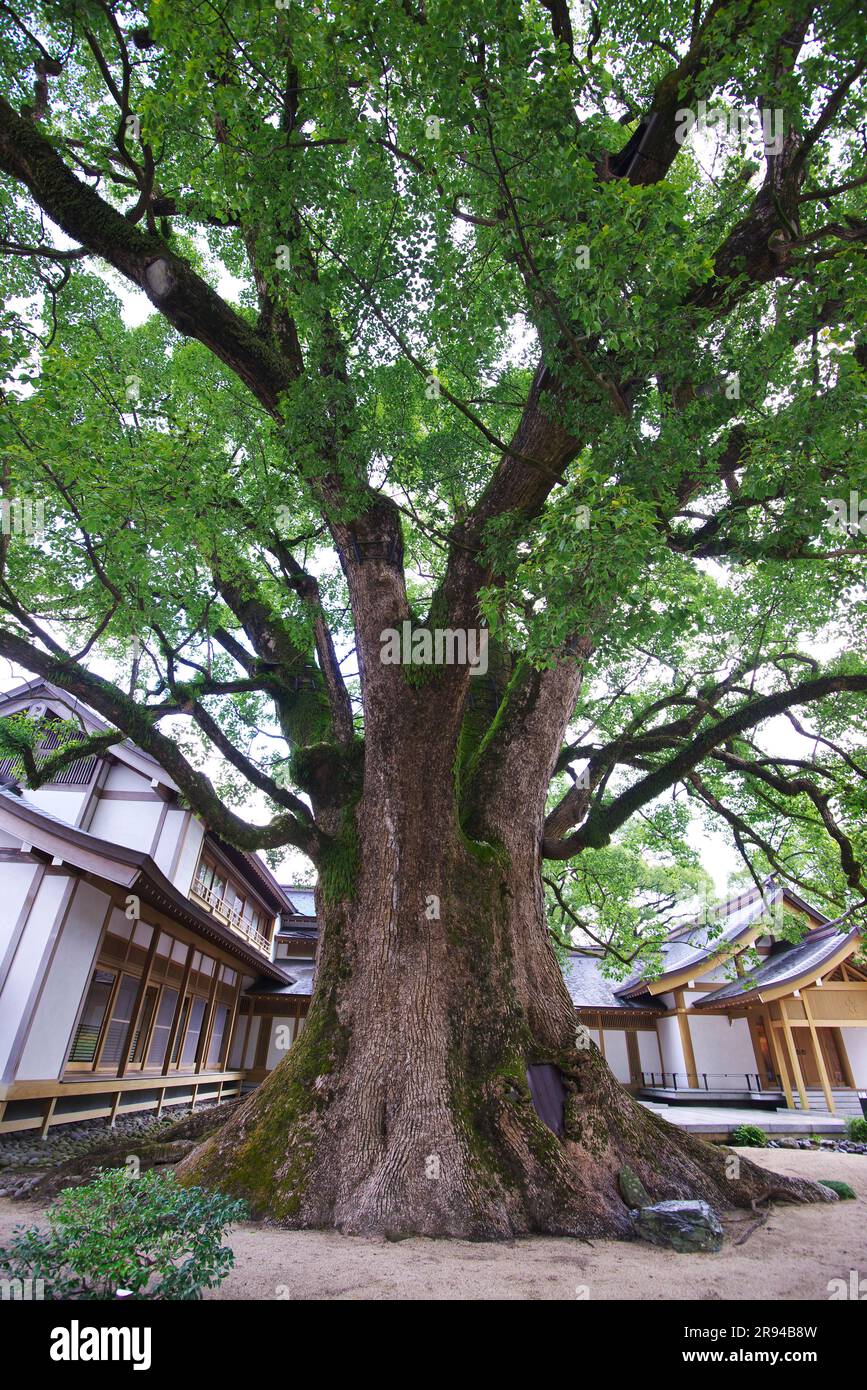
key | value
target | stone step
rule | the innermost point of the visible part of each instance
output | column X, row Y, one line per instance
column 846, row 1101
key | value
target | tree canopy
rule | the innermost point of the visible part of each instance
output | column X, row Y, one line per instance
column 442, row 284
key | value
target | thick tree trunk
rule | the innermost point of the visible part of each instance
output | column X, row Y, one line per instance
column 404, row 1106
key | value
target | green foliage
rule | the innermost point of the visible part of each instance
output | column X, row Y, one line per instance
column 18, row 734
column 856, row 1129
column 443, row 181
column 842, row 1189
column 31, row 742
column 144, row 1234
column 748, row 1137
column 627, row 897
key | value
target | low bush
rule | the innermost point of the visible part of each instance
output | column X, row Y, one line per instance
column 749, row 1137
column 842, row 1189
column 142, row 1234
column 856, row 1129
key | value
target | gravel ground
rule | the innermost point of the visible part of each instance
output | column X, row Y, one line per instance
column 794, row 1255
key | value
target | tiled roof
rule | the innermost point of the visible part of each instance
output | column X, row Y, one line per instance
column 300, row 982
column 700, row 941
column 785, row 964
column 301, row 898
column 590, row 989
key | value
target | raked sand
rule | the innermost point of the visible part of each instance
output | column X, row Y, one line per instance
column 793, row 1256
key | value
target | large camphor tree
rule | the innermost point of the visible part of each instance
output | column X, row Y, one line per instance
column 469, row 314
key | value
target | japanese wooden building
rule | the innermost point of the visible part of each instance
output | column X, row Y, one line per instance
column 736, row 1014
column 137, row 949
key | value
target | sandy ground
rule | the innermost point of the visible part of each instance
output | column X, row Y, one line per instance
column 793, row 1256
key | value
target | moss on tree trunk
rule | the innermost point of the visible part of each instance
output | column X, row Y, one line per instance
column 404, row 1107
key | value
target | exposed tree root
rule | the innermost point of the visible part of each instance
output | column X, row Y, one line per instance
column 290, row 1151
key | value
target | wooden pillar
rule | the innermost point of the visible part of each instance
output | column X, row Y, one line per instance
column 46, row 1119
column 686, row 1039
column 820, row 1060
column 633, row 1056
column 793, row 1055
column 753, row 1025
column 773, row 1037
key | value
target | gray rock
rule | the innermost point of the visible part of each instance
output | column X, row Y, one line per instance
column 632, row 1189
column 788, row 1143
column 687, row 1227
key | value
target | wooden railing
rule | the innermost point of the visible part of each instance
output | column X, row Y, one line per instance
column 220, row 907
column 707, row 1081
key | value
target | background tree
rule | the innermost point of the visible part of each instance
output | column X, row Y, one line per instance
column 453, row 328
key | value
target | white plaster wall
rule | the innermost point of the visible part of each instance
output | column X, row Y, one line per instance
column 19, row 981
column 275, row 1053
column 16, row 880
column 69, row 975
column 235, row 1051
column 855, row 1043
column 720, row 1046
column 173, row 828
column 254, row 1036
column 668, row 1033
column 615, row 1053
column 691, row 996
column 10, row 841
column 190, row 853
column 130, row 823
column 121, row 778
column 648, row 1052
column 65, row 805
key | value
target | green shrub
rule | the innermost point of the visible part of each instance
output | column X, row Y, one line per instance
column 749, row 1137
column 856, row 1129
column 144, row 1234
column 842, row 1189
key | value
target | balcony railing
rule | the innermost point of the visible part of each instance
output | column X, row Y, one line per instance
column 220, row 907
column 706, row 1080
